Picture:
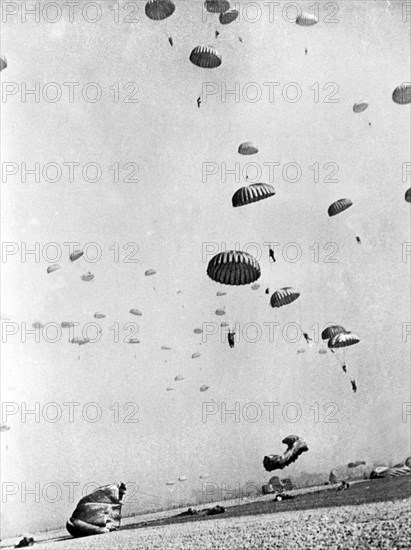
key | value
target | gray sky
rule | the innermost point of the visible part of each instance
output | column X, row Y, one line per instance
column 170, row 213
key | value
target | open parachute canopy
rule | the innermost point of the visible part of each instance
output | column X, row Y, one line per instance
column 332, row 331
column 87, row 277
column 252, row 193
column 306, row 20
column 52, row 268
column 217, row 6
column 295, row 447
column 339, row 206
column 360, row 107
column 402, row 94
column 228, row 16
column 284, row 296
column 407, row 196
column 150, row 272
column 135, row 311
column 205, row 57
column 204, row 388
column 343, row 340
column 159, row 9
column 3, row 62
column 247, row 148
column 76, row 255
column 233, row 268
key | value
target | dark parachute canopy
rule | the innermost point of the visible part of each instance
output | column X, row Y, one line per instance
column 217, row 6
column 252, row 193
column 332, row 331
column 247, row 148
column 408, row 195
column 284, row 296
column 343, row 340
column 228, row 16
column 159, row 9
column 339, row 206
column 52, row 268
column 356, row 464
column 233, row 268
column 98, row 512
column 306, row 20
column 3, row 62
column 295, row 447
column 360, row 107
column 205, row 57
column 402, row 94
column 76, row 255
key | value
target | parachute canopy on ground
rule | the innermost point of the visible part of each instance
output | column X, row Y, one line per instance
column 234, row 268
column 356, row 464
column 247, row 148
column 217, row 6
column 306, row 20
column 343, row 340
column 205, row 57
column 360, row 107
column 76, row 255
column 135, row 311
column 339, row 206
column 331, row 331
column 384, row 471
column 228, row 17
column 252, row 193
column 295, row 447
column 150, row 272
column 98, row 512
column 402, row 94
column 159, row 9
column 284, row 296
column 204, row 388
column 52, row 268
column 3, row 62
column 87, row 276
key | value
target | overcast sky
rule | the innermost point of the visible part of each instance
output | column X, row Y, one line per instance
column 171, row 214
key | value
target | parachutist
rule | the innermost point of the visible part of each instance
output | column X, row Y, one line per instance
column 240, row 39
column 307, row 338
column 306, row 51
column 170, row 39
column 271, row 254
column 354, row 386
column 217, row 34
column 267, row 291
column 358, row 239
column 231, row 340
column 199, row 102
column 344, row 368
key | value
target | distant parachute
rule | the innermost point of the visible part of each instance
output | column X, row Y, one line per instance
column 196, row 355
column 306, row 20
column 247, row 148
column 134, row 341
column 332, row 331
column 150, row 272
column 339, row 206
column 228, row 17
column 159, row 9
column 252, row 193
column 205, row 57
column 301, row 350
column 204, row 388
column 255, row 286
column 166, row 348
column 360, row 107
column 170, row 389
column 234, row 268
column 4, row 428
column 76, row 255
column 52, row 268
column 221, row 293
column 284, row 296
column 356, row 464
column 87, row 276
column 220, row 312
column 224, row 324
column 99, row 316
column 178, row 378
column 83, row 341
column 135, row 311
column 198, row 331
column 67, row 324
column 295, row 447
column 76, row 340
column 217, row 6
column 170, row 482
column 407, row 462
column 3, row 62
column 37, row 325
column 343, row 340
column 322, row 351
column 402, row 94
column 408, row 195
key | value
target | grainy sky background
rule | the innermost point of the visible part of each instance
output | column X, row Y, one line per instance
column 170, row 213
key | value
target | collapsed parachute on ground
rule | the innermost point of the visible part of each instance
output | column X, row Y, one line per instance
column 3, row 63
column 247, row 148
column 52, row 268
column 87, row 276
column 339, row 206
column 150, row 272
column 384, row 471
column 135, row 311
column 407, row 196
column 99, row 315
column 402, row 94
column 217, row 6
column 360, row 107
column 205, row 57
column 356, row 464
column 284, row 296
column 204, row 388
column 332, row 331
column 306, row 20
column 295, row 447
column 98, row 512
column 159, row 9
column 333, row 478
column 252, row 193
column 234, row 268
column 76, row 255
column 343, row 340
column 228, row 17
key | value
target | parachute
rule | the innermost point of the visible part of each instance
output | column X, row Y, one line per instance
column 178, row 378
column 220, row 312
column 301, row 350
column 67, row 324
column 4, row 428
column 333, row 477
column 228, row 16
column 196, row 355
column 224, row 324
column 255, row 286
column 284, row 296
column 407, row 196
column 170, row 389
column 98, row 512
column 198, row 331
column 402, row 94
column 76, row 255
column 205, row 57
column 87, row 276
column 221, row 293
column 135, row 311
column 332, row 331
column 204, row 388
column 99, row 315
column 134, row 341
column 3, row 62
column 52, row 268
column 247, row 148
column 83, row 341
column 322, row 351
column 360, row 107
column 384, row 471
column 356, row 464
column 306, row 20
column 234, row 268
column 217, row 6
column 150, row 272
column 252, row 193
column 166, row 348
column 170, row 483
column 342, row 340
column 339, row 206
column 295, row 447
column 159, row 9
